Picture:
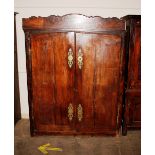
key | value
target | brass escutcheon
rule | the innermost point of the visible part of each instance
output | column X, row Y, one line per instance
column 70, row 112
column 70, row 58
column 80, row 112
column 80, row 58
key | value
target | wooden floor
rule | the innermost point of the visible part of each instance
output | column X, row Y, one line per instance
column 76, row 145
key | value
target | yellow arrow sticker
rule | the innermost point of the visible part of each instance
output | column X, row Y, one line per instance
column 45, row 147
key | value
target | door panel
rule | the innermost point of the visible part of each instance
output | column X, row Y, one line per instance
column 107, row 80
column 52, row 80
column 42, row 79
column 64, row 77
column 97, row 81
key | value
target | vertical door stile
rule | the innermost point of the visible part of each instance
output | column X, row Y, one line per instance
column 28, row 46
column 56, row 56
column 122, row 77
column 94, row 84
column 77, row 74
column 75, row 80
column 119, row 84
column 76, row 90
column 54, row 86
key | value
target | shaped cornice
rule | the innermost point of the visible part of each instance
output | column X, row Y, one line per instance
column 73, row 22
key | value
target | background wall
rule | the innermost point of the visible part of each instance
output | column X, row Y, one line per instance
column 27, row 8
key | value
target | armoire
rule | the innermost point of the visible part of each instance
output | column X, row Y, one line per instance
column 132, row 104
column 75, row 74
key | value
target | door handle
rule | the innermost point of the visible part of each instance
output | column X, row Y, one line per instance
column 70, row 58
column 80, row 58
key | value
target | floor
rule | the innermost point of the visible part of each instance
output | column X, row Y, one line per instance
column 76, row 145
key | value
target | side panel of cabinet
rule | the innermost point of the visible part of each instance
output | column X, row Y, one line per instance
column 133, row 109
column 52, row 81
column 133, row 92
column 134, row 65
column 98, row 81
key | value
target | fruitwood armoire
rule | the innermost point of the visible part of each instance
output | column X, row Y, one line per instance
column 132, row 110
column 75, row 67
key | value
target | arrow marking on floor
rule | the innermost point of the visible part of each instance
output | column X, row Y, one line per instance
column 47, row 147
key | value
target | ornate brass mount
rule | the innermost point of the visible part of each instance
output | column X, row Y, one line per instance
column 80, row 112
column 70, row 112
column 80, row 58
column 70, row 58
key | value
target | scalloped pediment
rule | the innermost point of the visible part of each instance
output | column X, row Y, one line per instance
column 73, row 21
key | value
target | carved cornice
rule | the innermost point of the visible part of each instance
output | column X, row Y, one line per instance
column 73, row 14
column 73, row 21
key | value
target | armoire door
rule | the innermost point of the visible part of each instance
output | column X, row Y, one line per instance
column 53, row 66
column 98, row 59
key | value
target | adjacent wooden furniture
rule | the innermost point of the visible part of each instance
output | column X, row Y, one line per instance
column 17, row 110
column 75, row 74
column 132, row 113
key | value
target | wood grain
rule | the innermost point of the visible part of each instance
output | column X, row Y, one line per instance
column 53, row 85
column 132, row 102
column 73, row 22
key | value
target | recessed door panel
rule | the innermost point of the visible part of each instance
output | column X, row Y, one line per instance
column 108, row 49
column 42, row 79
column 64, row 78
column 97, row 80
column 52, row 81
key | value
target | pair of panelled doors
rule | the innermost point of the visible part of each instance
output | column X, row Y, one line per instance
column 75, row 82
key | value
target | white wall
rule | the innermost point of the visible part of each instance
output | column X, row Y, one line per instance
column 27, row 8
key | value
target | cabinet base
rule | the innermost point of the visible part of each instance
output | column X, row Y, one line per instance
column 103, row 133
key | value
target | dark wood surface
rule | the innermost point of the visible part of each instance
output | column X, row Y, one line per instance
column 73, row 22
column 17, row 110
column 96, row 88
column 52, row 80
column 98, row 81
column 132, row 110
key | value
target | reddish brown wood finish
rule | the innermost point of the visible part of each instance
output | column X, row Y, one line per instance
column 52, row 85
column 73, row 22
column 98, row 80
column 132, row 111
column 52, row 80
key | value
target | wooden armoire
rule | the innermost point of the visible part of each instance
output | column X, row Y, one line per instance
column 132, row 107
column 75, row 74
